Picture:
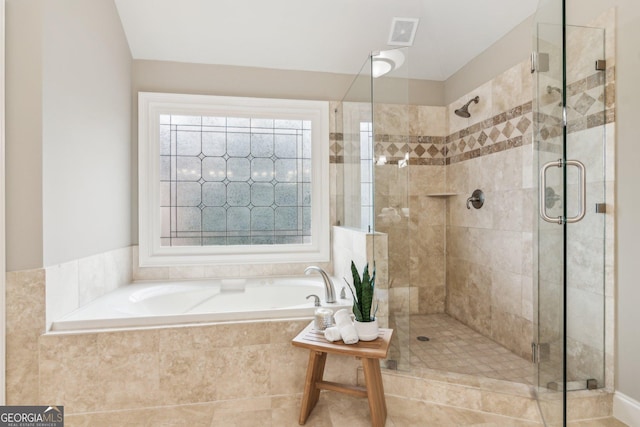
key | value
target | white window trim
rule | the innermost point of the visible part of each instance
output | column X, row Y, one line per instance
column 152, row 105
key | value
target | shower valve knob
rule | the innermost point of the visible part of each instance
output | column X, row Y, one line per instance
column 476, row 199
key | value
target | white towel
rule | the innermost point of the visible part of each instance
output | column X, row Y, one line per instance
column 349, row 333
column 332, row 334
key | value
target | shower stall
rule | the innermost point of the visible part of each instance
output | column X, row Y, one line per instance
column 519, row 288
column 573, row 247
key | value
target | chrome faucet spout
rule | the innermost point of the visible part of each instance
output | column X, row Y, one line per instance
column 330, row 294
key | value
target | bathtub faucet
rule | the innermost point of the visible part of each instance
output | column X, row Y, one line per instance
column 330, row 294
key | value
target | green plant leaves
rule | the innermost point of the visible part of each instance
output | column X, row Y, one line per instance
column 363, row 293
column 357, row 283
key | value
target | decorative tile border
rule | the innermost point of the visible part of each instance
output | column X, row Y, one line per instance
column 590, row 103
column 423, row 150
column 501, row 132
column 336, row 147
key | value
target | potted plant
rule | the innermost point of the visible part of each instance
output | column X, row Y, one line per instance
column 366, row 322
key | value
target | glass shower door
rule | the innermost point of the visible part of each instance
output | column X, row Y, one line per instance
column 569, row 251
column 585, row 240
column 549, row 351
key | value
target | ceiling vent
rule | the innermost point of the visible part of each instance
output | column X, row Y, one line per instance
column 403, row 31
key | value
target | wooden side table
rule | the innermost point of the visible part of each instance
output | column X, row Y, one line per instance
column 370, row 352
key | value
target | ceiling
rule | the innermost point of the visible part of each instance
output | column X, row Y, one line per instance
column 328, row 36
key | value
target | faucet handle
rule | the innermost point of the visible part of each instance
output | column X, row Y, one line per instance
column 316, row 300
column 476, row 199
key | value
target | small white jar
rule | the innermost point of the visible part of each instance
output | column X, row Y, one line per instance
column 323, row 319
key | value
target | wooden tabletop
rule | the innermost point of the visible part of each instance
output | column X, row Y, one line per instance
column 315, row 340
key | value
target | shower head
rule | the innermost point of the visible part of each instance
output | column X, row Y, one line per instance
column 554, row 89
column 551, row 89
column 464, row 110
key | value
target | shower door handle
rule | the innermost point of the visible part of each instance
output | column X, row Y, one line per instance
column 542, row 193
column 582, row 193
column 582, row 199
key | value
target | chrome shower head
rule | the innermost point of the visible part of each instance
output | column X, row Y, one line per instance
column 464, row 110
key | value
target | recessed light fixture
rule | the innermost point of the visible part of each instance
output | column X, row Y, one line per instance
column 385, row 61
column 403, row 31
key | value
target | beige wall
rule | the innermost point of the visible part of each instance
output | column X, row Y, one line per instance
column 86, row 126
column 628, row 202
column 68, row 127
column 499, row 57
column 23, row 134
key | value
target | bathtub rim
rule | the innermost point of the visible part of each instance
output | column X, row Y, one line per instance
column 302, row 311
column 125, row 329
column 184, row 320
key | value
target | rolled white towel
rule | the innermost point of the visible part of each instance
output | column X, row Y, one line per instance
column 332, row 334
column 349, row 334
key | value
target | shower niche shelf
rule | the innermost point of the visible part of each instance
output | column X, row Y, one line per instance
column 441, row 194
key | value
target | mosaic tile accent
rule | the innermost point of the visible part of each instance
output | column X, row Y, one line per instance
column 501, row 132
column 336, row 147
column 423, row 150
column 590, row 103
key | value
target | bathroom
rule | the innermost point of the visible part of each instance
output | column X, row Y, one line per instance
column 72, row 228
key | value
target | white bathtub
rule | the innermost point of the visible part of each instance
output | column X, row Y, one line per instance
column 153, row 303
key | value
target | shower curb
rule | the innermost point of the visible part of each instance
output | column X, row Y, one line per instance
column 487, row 395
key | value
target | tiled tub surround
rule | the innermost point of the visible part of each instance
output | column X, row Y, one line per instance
column 103, row 371
column 73, row 284
column 223, row 373
column 76, row 283
column 133, row 369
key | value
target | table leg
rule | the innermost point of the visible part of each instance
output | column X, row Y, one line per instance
column 375, row 392
column 315, row 370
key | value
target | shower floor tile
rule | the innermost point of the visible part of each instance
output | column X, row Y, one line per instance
column 454, row 347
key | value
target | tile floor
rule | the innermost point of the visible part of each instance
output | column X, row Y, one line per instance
column 332, row 410
column 454, row 347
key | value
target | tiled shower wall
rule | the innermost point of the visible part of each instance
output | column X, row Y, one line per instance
column 416, row 226
column 489, row 250
column 473, row 264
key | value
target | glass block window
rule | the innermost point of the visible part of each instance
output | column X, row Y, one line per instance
column 234, row 181
column 236, row 178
